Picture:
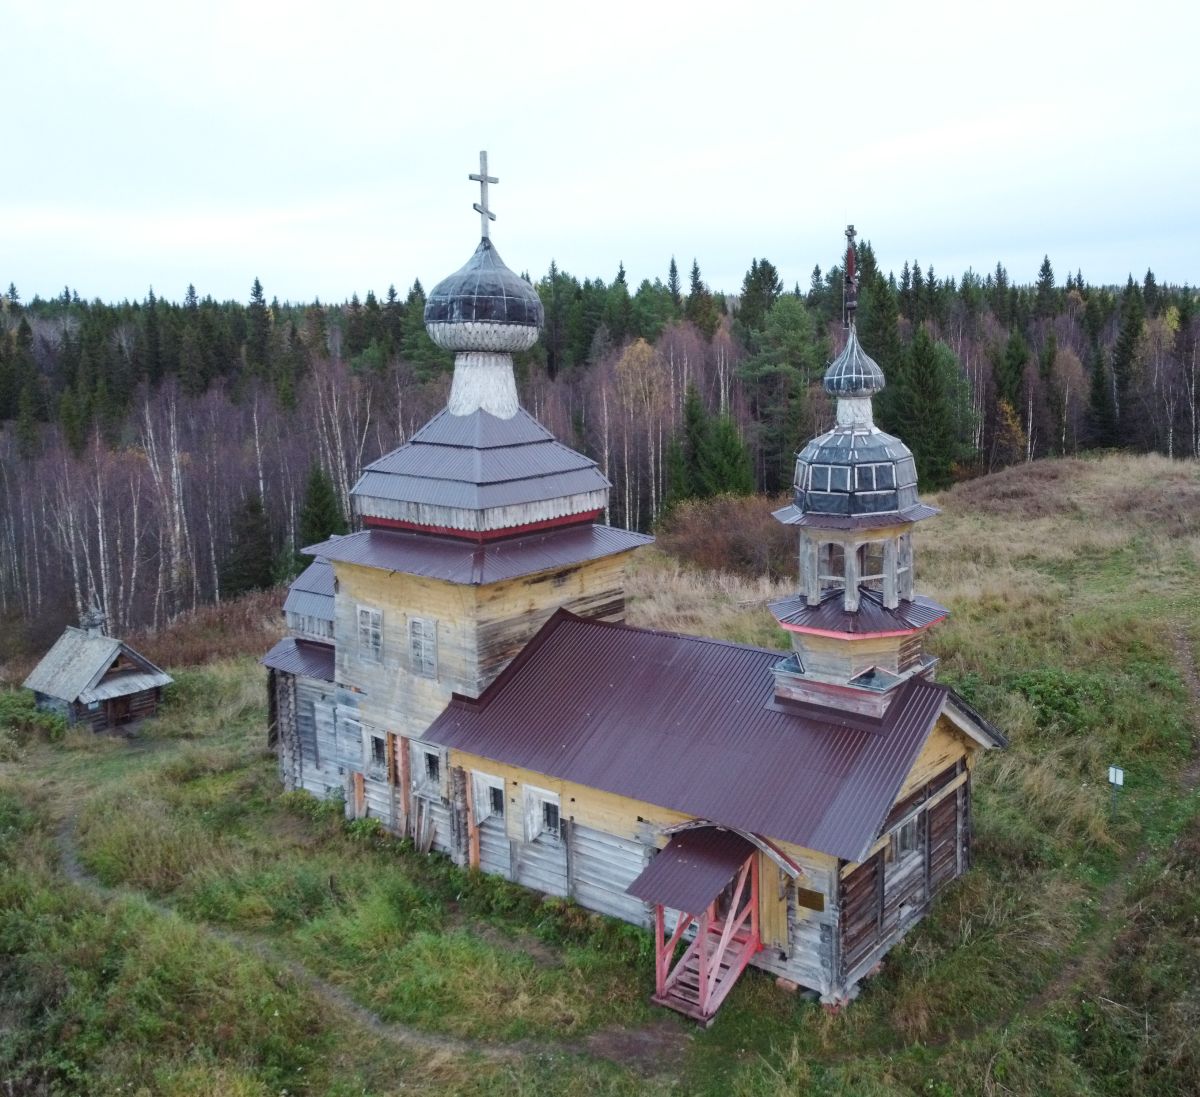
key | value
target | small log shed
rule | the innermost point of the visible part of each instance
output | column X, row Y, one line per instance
column 95, row 680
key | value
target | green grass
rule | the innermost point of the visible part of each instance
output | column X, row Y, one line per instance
column 1066, row 963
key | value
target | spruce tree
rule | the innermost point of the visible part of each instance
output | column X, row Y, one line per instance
column 1046, row 298
column 249, row 565
column 321, row 517
column 1125, row 352
column 725, row 466
column 1102, row 413
column 928, row 407
column 700, row 309
column 259, row 336
column 673, row 287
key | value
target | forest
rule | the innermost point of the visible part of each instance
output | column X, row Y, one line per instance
column 158, row 455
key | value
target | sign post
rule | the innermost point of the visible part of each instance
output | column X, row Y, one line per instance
column 1116, row 778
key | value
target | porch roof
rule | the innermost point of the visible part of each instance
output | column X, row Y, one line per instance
column 693, row 869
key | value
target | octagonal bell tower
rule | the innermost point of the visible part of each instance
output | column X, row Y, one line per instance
column 857, row 624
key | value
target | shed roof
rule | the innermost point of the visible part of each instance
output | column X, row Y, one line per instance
column 688, row 724
column 79, row 659
column 469, row 563
column 692, row 870
column 308, row 658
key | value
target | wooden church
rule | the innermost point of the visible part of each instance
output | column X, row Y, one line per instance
column 459, row 669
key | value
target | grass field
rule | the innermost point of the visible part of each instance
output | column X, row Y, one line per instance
column 171, row 923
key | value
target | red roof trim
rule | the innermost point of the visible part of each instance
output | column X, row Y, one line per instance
column 861, row 635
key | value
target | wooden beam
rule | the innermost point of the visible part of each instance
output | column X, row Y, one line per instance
column 404, row 777
column 472, row 825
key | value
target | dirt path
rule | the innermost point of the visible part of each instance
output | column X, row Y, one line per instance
column 655, row 1048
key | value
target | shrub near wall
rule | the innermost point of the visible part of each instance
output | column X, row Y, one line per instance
column 735, row 533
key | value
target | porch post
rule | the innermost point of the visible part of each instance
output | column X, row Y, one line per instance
column 754, row 934
column 660, row 945
column 702, row 956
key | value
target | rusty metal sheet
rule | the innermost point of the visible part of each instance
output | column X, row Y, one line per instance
column 457, row 561
column 688, row 723
column 693, row 869
column 304, row 657
column 872, row 615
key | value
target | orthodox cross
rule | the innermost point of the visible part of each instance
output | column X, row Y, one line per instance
column 850, row 285
column 483, row 179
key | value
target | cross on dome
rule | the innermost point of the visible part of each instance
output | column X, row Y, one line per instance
column 483, row 179
column 850, row 298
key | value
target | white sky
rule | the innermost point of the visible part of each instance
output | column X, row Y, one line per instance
column 325, row 147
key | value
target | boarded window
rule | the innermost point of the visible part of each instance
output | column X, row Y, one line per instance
column 541, row 815
column 370, row 633
column 487, row 796
column 422, row 646
column 349, row 744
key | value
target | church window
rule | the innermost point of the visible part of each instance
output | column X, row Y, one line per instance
column 487, row 797
column 370, row 633
column 831, row 566
column 541, row 815
column 425, row 769
column 422, row 646
column 376, row 754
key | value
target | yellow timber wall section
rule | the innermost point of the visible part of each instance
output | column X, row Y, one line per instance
column 639, row 821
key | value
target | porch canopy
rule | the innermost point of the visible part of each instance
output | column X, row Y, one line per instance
column 693, row 869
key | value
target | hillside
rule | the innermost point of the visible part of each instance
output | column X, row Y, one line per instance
column 170, row 923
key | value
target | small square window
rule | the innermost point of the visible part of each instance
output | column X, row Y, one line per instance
column 496, row 800
column 550, row 817
column 433, row 769
column 378, row 752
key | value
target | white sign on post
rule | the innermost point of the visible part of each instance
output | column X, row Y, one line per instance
column 1116, row 776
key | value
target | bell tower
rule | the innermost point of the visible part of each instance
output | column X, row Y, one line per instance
column 856, row 623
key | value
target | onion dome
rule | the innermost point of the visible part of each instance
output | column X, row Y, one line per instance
column 484, row 306
column 854, row 372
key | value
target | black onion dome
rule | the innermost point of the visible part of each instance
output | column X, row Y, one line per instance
column 855, row 471
column 854, row 372
column 484, row 291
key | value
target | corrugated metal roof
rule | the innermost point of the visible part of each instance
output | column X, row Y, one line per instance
column 692, row 870
column 481, row 430
column 305, row 657
column 476, row 463
column 688, row 724
column 792, row 515
column 121, row 685
column 77, row 662
column 481, row 466
column 466, row 495
column 311, row 594
column 469, row 563
column 872, row 615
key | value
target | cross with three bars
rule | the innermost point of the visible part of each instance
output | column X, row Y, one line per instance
column 483, row 179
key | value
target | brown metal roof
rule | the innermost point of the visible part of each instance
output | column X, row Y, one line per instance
column 692, row 870
column 688, row 723
column 871, row 618
column 305, row 657
column 456, row 561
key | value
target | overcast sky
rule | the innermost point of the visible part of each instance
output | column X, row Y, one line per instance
column 325, row 147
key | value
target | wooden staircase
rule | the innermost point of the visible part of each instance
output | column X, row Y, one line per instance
column 684, row 992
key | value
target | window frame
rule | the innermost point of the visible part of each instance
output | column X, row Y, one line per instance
column 419, row 778
column 534, row 801
column 483, row 785
column 369, row 634
column 423, row 646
